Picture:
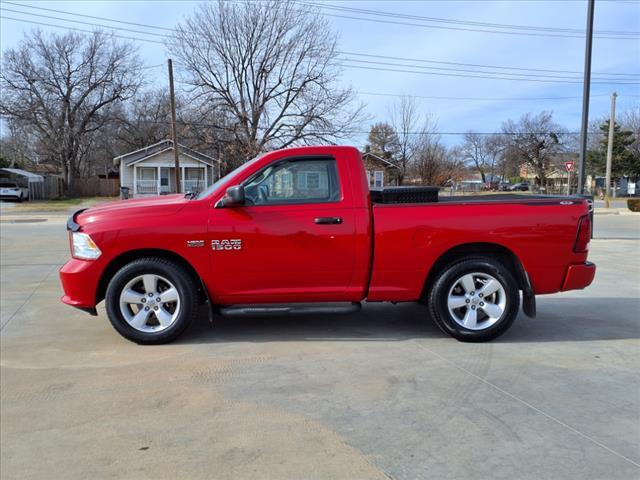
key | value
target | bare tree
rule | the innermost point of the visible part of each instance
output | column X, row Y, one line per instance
column 18, row 145
column 535, row 139
column 433, row 164
column 145, row 119
column 270, row 67
column 496, row 146
column 405, row 118
column 475, row 150
column 61, row 85
column 630, row 120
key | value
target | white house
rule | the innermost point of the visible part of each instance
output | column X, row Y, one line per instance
column 151, row 170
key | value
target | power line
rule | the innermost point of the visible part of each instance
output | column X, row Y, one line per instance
column 344, row 53
column 579, row 32
column 481, row 76
column 520, row 75
column 50, row 17
column 484, row 77
column 467, row 22
column 33, row 22
column 489, row 99
column 390, row 57
column 453, row 133
column 89, row 16
column 508, row 29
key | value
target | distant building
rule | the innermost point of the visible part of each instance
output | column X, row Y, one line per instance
column 45, row 169
column 380, row 172
column 151, row 171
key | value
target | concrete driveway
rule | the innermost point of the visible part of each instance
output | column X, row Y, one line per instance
column 376, row 395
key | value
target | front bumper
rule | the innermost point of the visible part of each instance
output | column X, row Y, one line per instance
column 80, row 279
column 579, row 276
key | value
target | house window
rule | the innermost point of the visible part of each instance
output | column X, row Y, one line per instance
column 378, row 178
column 191, row 173
column 164, row 177
column 147, row 173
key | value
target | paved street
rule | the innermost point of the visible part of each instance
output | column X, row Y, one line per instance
column 375, row 395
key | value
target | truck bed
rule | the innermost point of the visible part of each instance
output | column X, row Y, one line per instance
column 539, row 230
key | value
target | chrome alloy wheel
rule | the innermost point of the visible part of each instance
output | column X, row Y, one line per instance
column 150, row 303
column 476, row 301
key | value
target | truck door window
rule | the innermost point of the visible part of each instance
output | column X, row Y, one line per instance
column 295, row 182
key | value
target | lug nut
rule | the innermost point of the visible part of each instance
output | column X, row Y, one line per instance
column 473, row 293
column 146, row 308
column 480, row 295
column 473, row 307
column 467, row 300
column 158, row 300
column 482, row 304
column 155, row 308
column 151, row 294
column 143, row 300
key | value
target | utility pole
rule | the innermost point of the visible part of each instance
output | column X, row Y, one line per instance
column 174, row 132
column 585, row 97
column 612, row 125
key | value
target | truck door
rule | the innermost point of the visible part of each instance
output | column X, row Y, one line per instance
column 292, row 241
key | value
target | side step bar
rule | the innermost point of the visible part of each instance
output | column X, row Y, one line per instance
column 271, row 310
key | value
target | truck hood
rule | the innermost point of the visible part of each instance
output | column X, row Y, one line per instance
column 157, row 206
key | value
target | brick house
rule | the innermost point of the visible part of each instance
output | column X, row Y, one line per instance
column 380, row 172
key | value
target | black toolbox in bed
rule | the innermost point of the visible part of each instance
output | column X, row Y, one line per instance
column 420, row 194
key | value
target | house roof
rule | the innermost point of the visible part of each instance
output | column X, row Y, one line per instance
column 147, row 152
column 31, row 177
column 45, row 168
column 377, row 157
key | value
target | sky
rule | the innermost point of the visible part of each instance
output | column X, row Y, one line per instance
column 548, row 40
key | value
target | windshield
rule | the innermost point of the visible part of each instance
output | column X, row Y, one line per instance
column 209, row 190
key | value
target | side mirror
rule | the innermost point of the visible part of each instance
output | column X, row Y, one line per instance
column 233, row 197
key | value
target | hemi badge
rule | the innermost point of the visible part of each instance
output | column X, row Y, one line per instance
column 195, row 243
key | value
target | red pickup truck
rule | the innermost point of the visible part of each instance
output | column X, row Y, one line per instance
column 299, row 231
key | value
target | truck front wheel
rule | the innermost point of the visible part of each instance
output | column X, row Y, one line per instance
column 151, row 301
column 474, row 300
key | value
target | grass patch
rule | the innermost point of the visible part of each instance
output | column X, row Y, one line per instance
column 59, row 205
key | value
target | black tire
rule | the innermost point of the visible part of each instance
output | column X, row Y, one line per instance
column 449, row 278
column 177, row 276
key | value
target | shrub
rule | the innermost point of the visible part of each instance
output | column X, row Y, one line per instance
column 633, row 204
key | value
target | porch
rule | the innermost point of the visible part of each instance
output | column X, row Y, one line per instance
column 158, row 180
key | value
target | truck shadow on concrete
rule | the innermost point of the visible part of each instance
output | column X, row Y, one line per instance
column 558, row 320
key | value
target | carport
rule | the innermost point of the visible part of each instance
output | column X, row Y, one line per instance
column 22, row 177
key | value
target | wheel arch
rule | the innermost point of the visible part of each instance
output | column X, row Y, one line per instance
column 493, row 250
column 126, row 257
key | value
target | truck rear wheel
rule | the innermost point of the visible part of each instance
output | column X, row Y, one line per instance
column 151, row 301
column 474, row 300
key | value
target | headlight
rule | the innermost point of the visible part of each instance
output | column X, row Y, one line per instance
column 84, row 247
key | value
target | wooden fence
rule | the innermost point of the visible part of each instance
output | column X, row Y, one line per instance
column 52, row 187
column 97, row 187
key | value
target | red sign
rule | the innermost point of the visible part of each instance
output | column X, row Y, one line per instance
column 569, row 165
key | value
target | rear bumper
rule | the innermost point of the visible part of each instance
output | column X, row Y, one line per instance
column 579, row 276
column 80, row 280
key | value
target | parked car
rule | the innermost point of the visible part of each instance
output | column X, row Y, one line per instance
column 297, row 231
column 498, row 186
column 520, row 187
column 12, row 191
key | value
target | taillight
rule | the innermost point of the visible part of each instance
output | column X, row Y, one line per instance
column 584, row 235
